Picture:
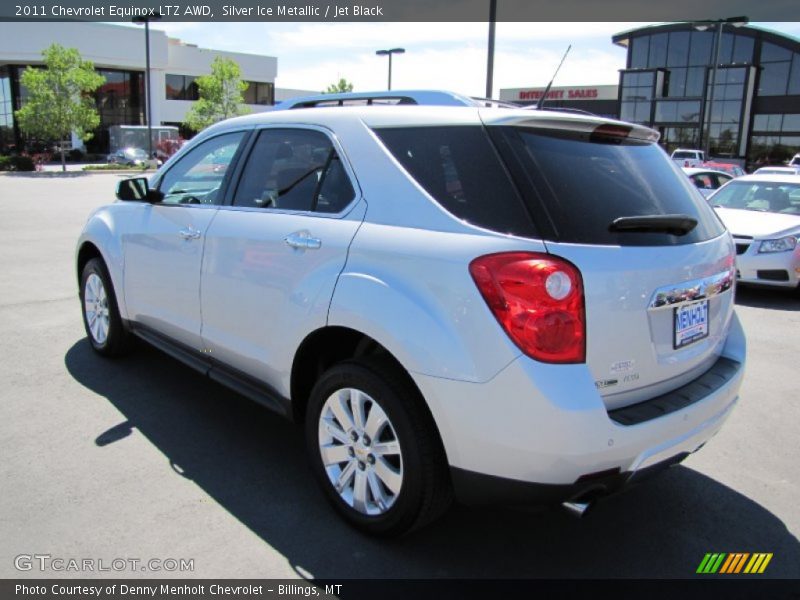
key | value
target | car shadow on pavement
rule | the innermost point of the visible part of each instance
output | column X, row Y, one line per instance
column 252, row 463
column 776, row 299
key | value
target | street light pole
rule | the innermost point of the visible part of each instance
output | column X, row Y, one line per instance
column 389, row 54
column 147, row 91
column 490, row 49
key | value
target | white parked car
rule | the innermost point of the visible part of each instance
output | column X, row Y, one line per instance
column 498, row 304
column 685, row 157
column 763, row 214
column 707, row 181
column 777, row 171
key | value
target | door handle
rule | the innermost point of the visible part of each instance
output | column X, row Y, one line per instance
column 302, row 240
column 189, row 233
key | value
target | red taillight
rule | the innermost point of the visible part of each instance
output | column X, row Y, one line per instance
column 538, row 299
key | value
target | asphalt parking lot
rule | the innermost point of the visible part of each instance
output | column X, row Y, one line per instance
column 143, row 458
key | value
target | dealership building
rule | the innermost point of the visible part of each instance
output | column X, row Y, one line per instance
column 754, row 112
column 118, row 53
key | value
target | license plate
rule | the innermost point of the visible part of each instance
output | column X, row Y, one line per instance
column 690, row 323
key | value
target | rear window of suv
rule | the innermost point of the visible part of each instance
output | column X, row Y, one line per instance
column 576, row 185
column 459, row 167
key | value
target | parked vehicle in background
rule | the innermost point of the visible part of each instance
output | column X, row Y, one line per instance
column 433, row 292
column 707, row 181
column 795, row 162
column 762, row 213
column 731, row 169
column 128, row 156
column 685, row 157
column 777, row 171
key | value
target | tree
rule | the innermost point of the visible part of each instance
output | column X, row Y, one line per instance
column 60, row 100
column 341, row 86
column 220, row 95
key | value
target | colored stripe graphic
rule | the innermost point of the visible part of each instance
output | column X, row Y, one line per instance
column 734, row 563
column 758, row 563
column 711, row 563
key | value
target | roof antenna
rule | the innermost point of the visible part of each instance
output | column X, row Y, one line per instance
column 540, row 104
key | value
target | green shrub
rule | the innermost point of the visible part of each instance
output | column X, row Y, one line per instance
column 16, row 163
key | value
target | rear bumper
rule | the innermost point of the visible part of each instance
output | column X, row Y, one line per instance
column 475, row 489
column 542, row 433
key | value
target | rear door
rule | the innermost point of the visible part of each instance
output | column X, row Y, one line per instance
column 273, row 256
column 658, row 302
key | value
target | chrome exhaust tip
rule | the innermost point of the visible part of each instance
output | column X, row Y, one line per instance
column 576, row 509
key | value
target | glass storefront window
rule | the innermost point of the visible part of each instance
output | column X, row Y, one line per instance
column 743, row 49
column 658, row 50
column 774, row 53
column 701, row 46
column 695, row 80
column 678, row 55
column 678, row 112
column 773, row 79
column 182, row 87
column 794, row 75
column 640, row 46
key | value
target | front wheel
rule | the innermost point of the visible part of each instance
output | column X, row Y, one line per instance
column 374, row 449
column 101, row 317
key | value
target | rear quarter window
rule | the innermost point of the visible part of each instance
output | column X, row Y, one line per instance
column 459, row 167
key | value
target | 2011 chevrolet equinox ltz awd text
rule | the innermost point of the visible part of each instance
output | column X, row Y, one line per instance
column 492, row 304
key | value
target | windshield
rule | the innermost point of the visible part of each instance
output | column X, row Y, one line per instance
column 762, row 196
column 677, row 154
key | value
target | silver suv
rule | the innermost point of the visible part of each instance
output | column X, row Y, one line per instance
column 500, row 305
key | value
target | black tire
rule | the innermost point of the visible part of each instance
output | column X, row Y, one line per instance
column 117, row 340
column 426, row 491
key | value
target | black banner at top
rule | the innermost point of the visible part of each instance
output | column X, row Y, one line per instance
column 397, row 10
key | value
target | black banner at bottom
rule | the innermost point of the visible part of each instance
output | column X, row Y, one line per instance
column 385, row 589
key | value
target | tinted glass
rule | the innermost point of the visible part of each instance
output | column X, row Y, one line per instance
column 771, row 53
column 794, row 76
column 286, row 170
column 197, row 177
column 743, row 49
column 781, row 198
column 583, row 186
column 640, row 46
column 773, row 79
column 678, row 49
column 700, row 51
column 658, row 50
column 460, row 169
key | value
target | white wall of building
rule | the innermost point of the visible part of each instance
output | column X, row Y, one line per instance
column 118, row 47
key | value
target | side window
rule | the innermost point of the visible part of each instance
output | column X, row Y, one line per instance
column 294, row 169
column 196, row 178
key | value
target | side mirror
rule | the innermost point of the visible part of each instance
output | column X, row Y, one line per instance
column 137, row 190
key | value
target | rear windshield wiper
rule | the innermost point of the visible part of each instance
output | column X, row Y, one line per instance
column 674, row 224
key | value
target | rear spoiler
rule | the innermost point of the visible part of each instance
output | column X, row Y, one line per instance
column 575, row 123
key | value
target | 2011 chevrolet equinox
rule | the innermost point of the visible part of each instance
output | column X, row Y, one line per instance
column 499, row 304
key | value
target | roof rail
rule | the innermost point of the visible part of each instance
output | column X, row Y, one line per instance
column 392, row 97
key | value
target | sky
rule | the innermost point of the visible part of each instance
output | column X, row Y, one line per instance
column 449, row 56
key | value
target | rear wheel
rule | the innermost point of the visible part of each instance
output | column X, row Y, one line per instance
column 101, row 317
column 374, row 449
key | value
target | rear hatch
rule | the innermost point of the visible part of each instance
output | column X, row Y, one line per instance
column 657, row 265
